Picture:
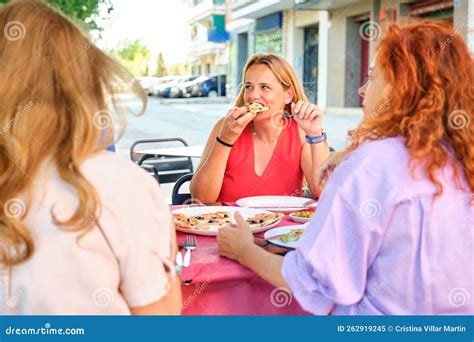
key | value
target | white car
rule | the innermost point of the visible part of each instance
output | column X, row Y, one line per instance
column 148, row 81
column 169, row 89
column 184, row 89
column 163, row 82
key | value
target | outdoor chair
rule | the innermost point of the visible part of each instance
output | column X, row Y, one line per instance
column 165, row 169
column 179, row 198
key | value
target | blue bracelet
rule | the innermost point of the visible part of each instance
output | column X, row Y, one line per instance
column 317, row 139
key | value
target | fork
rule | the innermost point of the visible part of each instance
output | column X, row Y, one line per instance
column 287, row 114
column 190, row 244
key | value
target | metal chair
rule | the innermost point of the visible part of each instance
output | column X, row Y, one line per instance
column 165, row 169
column 176, row 197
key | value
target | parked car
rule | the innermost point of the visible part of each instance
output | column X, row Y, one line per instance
column 147, row 82
column 185, row 89
column 153, row 90
column 210, row 86
column 165, row 89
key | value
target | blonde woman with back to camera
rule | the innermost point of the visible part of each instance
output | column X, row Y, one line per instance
column 82, row 231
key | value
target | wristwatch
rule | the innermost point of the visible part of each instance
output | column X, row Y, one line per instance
column 317, row 139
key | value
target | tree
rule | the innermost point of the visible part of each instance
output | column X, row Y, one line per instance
column 179, row 68
column 92, row 13
column 134, row 55
column 160, row 66
column 131, row 50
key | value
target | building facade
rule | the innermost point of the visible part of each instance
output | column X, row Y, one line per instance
column 207, row 50
column 329, row 43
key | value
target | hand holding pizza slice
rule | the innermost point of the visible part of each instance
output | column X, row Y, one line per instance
column 256, row 107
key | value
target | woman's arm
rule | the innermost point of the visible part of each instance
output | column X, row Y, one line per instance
column 236, row 242
column 207, row 180
column 310, row 120
column 170, row 304
column 312, row 157
column 265, row 264
column 328, row 167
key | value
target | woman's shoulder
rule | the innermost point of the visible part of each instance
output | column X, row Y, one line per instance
column 379, row 153
column 107, row 170
column 109, row 161
column 375, row 162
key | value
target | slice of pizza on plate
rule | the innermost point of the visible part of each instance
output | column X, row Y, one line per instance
column 263, row 219
column 204, row 221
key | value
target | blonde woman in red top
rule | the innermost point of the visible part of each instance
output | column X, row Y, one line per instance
column 267, row 153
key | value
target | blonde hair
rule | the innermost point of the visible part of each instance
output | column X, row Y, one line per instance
column 56, row 89
column 283, row 72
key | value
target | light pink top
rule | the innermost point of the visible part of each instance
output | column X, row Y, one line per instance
column 106, row 271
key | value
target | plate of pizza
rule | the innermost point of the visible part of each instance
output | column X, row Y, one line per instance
column 287, row 236
column 208, row 220
column 281, row 204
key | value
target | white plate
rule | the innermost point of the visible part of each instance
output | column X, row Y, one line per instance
column 298, row 219
column 246, row 213
column 283, row 204
column 280, row 231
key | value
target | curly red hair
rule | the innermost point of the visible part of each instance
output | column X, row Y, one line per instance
column 431, row 74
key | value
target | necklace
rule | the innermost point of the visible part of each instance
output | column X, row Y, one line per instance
column 252, row 129
column 254, row 133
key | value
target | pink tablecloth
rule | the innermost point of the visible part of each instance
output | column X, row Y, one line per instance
column 214, row 285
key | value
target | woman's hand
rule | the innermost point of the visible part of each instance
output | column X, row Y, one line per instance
column 236, row 242
column 235, row 239
column 328, row 166
column 308, row 116
column 234, row 124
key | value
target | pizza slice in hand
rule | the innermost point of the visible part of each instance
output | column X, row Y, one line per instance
column 255, row 107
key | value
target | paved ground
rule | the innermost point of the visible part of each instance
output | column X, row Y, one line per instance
column 193, row 122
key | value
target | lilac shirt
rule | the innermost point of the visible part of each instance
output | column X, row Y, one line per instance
column 378, row 244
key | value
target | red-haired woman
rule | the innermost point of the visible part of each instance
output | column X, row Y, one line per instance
column 393, row 233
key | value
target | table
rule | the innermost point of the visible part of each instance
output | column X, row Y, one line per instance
column 214, row 285
column 184, row 151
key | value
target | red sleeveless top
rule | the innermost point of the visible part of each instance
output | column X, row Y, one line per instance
column 283, row 175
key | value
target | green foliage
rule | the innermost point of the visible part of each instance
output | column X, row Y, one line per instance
column 91, row 12
column 161, row 69
column 133, row 55
column 132, row 50
column 179, row 69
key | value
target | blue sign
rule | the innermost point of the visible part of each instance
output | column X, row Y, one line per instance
column 217, row 36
